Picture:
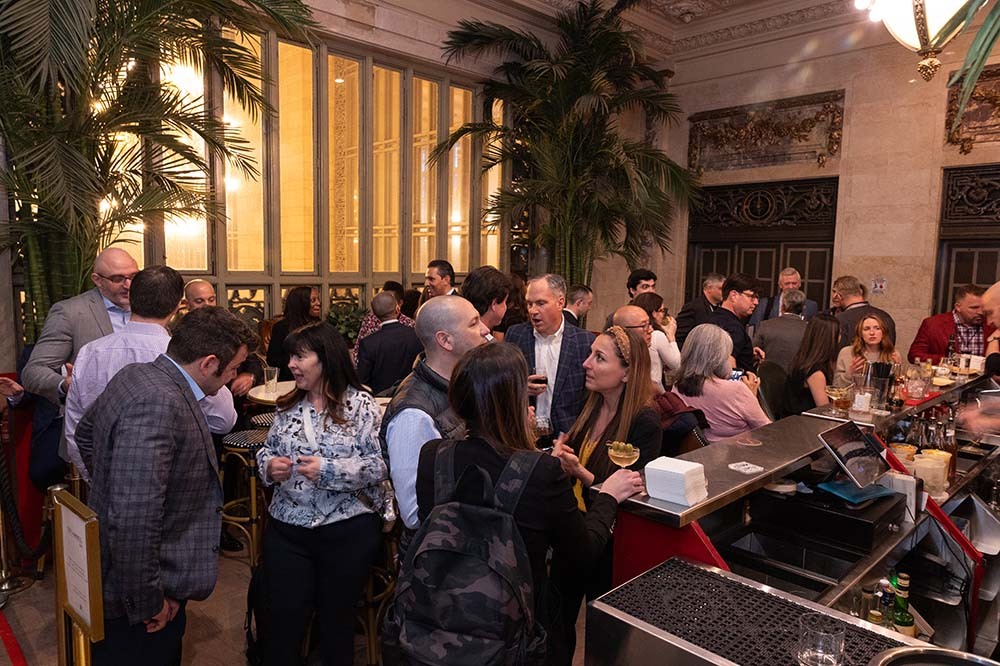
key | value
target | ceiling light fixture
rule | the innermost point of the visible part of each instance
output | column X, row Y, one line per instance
column 915, row 24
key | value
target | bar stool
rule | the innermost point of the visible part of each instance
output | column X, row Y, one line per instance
column 265, row 420
column 244, row 513
column 377, row 595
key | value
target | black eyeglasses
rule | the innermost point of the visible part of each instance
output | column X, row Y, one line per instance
column 117, row 279
column 752, row 295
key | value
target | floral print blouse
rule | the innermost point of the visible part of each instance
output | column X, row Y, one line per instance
column 352, row 461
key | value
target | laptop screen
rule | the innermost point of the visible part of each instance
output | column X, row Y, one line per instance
column 856, row 454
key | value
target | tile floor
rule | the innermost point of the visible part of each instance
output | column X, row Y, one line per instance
column 214, row 634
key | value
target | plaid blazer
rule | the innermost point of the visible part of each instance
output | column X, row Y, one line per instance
column 155, row 489
column 568, row 393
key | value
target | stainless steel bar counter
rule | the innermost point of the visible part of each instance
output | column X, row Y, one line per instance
column 786, row 445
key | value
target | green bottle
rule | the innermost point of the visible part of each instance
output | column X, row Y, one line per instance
column 902, row 619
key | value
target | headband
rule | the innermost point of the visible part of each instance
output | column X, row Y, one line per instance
column 620, row 337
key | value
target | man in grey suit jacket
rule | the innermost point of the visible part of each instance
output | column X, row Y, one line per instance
column 780, row 338
column 72, row 323
column 155, row 487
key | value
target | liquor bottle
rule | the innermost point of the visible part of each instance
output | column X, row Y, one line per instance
column 886, row 601
column 867, row 600
column 951, row 446
column 949, row 356
column 902, row 619
column 914, row 437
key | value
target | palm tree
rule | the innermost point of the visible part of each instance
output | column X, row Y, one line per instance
column 601, row 193
column 94, row 141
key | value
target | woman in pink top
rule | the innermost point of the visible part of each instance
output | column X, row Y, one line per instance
column 703, row 382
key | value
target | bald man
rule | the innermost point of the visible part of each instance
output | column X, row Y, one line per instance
column 661, row 356
column 74, row 322
column 447, row 327
column 198, row 293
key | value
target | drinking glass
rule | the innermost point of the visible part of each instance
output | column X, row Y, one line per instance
column 622, row 454
column 821, row 640
column 271, row 381
column 543, row 427
column 840, row 399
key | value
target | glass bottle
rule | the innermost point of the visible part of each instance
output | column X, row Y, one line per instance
column 902, row 619
column 914, row 437
column 951, row 446
column 886, row 601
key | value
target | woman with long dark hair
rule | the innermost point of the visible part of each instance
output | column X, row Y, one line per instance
column 488, row 389
column 812, row 367
column 664, row 354
column 870, row 344
column 322, row 454
column 618, row 409
column 302, row 306
column 517, row 308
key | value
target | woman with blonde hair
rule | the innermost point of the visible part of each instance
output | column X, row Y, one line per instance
column 870, row 344
column 618, row 408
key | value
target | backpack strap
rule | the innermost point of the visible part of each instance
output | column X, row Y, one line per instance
column 514, row 479
column 444, row 472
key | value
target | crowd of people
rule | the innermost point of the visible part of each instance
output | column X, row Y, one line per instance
column 480, row 373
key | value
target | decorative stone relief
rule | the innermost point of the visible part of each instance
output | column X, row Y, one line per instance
column 796, row 129
column 971, row 199
column 981, row 120
column 795, row 203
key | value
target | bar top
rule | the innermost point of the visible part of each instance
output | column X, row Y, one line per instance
column 784, row 444
column 882, row 420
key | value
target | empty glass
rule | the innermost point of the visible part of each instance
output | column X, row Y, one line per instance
column 821, row 640
column 270, row 381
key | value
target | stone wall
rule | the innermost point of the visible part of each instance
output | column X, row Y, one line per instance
column 891, row 162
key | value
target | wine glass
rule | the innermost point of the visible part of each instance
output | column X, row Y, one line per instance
column 622, row 454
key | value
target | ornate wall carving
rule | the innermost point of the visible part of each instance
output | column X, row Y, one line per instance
column 794, row 209
column 970, row 202
column 981, row 120
column 796, row 129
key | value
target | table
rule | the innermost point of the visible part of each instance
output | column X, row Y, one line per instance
column 259, row 394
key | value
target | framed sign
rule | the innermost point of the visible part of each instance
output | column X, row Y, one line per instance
column 78, row 564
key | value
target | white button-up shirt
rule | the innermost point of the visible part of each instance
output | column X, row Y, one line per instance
column 547, row 349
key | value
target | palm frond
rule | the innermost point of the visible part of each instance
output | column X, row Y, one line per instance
column 975, row 60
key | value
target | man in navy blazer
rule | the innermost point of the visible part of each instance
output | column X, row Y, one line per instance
column 386, row 356
column 554, row 350
column 155, row 487
column 770, row 307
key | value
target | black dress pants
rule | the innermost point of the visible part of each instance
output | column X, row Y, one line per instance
column 566, row 599
column 128, row 645
column 322, row 568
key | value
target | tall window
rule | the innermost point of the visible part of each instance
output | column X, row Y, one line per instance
column 344, row 137
column 387, row 111
column 489, row 234
column 185, row 236
column 245, row 195
column 459, row 181
column 295, row 159
column 425, row 180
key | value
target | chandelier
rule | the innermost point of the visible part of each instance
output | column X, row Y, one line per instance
column 916, row 23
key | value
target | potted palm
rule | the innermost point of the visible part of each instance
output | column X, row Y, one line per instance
column 600, row 192
column 94, row 141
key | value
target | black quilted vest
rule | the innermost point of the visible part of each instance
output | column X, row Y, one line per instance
column 427, row 391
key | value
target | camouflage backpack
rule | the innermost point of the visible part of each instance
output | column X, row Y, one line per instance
column 464, row 596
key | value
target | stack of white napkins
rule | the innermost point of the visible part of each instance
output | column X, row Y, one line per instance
column 677, row 481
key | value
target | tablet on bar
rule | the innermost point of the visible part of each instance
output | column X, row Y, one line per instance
column 860, row 457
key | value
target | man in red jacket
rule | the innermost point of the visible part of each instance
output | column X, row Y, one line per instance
column 967, row 322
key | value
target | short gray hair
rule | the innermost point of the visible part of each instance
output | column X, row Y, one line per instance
column 706, row 353
column 792, row 301
column 788, row 272
column 712, row 278
column 555, row 282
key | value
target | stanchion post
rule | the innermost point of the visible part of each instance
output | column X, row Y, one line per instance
column 77, row 565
